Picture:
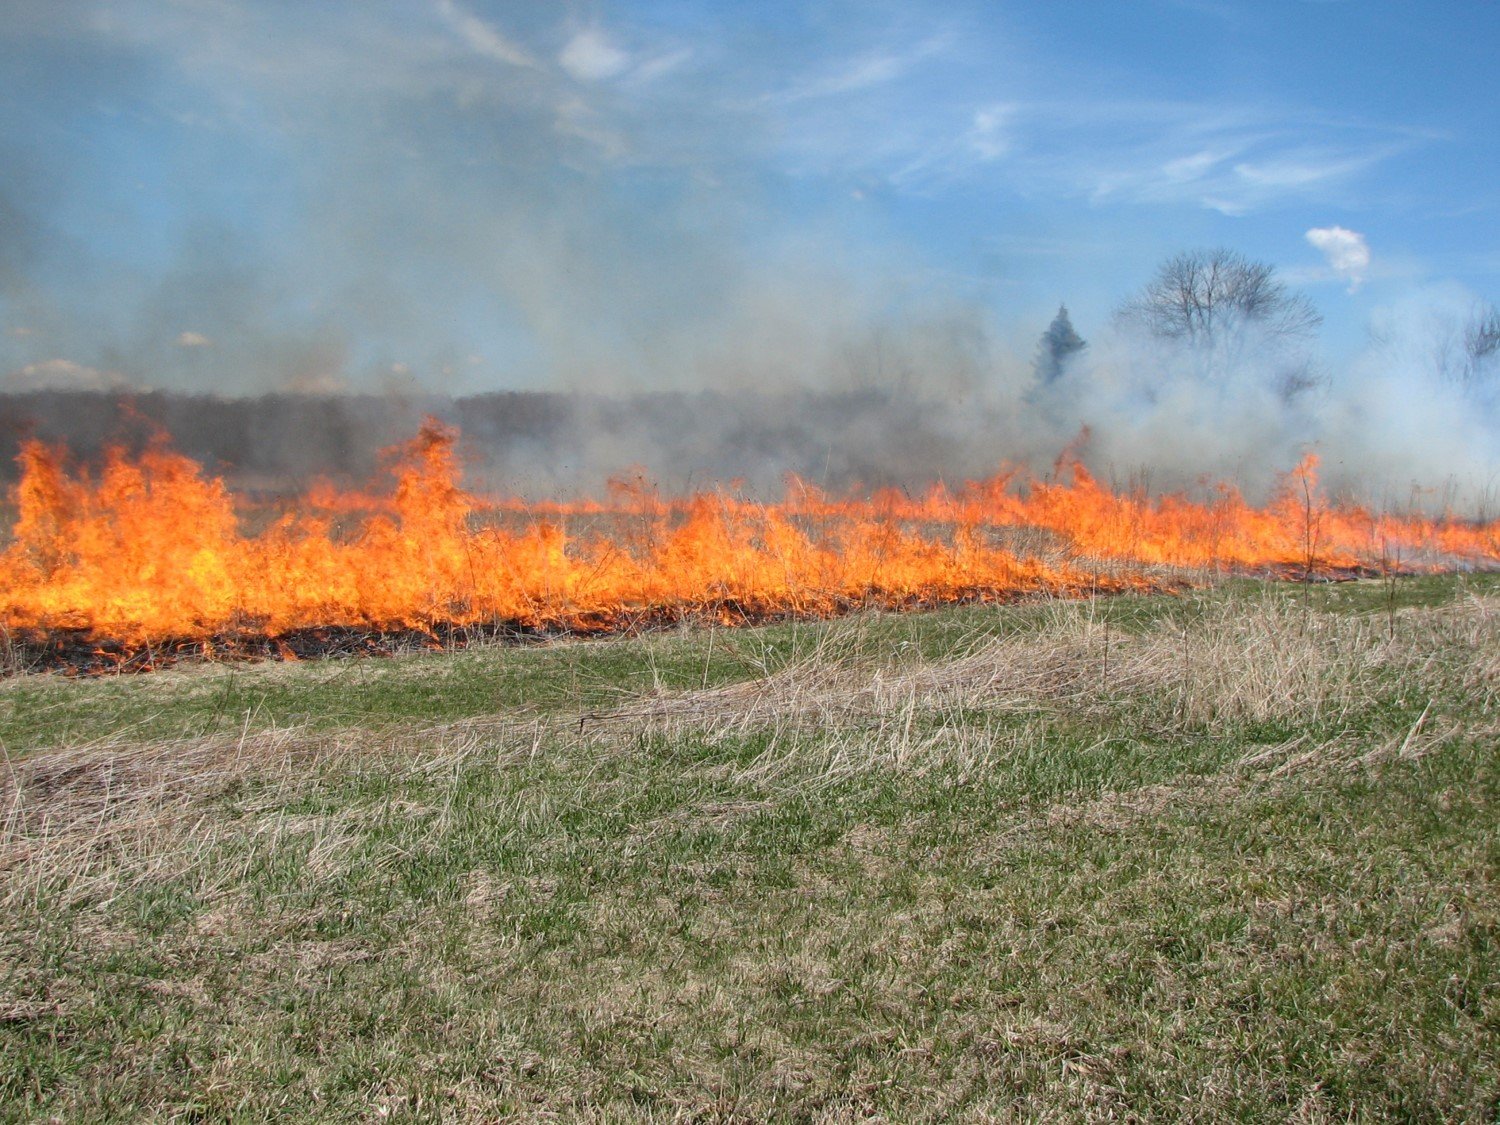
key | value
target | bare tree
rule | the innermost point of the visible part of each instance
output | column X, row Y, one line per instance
column 1217, row 303
column 1481, row 343
column 1461, row 348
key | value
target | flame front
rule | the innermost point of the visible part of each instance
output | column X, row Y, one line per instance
column 151, row 549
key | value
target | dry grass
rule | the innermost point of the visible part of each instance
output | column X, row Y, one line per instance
column 99, row 819
column 1267, row 663
column 1237, row 861
column 97, row 816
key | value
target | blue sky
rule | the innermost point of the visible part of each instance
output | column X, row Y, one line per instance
column 472, row 195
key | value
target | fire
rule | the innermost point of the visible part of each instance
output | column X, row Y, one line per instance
column 150, row 549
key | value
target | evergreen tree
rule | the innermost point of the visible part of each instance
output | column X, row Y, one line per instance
column 1057, row 346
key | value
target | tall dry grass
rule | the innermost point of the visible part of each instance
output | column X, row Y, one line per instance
column 1239, row 661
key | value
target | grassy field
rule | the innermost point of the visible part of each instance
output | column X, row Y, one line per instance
column 1231, row 855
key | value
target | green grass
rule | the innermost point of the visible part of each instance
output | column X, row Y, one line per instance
column 1230, row 856
column 43, row 711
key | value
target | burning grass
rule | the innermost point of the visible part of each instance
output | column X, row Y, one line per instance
column 148, row 561
column 1223, row 856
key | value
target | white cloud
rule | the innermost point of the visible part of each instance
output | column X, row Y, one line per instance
column 590, row 57
column 1346, row 250
column 193, row 340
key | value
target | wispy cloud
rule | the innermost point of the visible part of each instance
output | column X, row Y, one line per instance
column 660, row 65
column 987, row 139
column 1229, row 159
column 591, row 56
column 875, row 68
column 1234, row 160
column 1186, row 169
column 577, row 118
column 483, row 38
column 1297, row 170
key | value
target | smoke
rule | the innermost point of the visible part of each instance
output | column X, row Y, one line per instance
column 1405, row 420
column 1406, row 410
column 63, row 375
column 447, row 196
column 391, row 208
column 1384, row 429
column 935, row 397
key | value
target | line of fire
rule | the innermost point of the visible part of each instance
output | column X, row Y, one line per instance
column 147, row 559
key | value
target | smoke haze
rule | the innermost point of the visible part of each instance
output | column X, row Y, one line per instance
column 707, row 245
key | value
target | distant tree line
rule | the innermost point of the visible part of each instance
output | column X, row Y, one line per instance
column 539, row 442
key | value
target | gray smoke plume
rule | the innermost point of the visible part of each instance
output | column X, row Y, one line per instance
column 938, row 400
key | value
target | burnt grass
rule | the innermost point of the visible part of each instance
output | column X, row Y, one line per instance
column 76, row 651
column 81, row 652
column 1228, row 855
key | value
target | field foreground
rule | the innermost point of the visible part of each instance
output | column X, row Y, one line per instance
column 1231, row 855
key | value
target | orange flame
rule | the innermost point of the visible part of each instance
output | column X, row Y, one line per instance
column 153, row 550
